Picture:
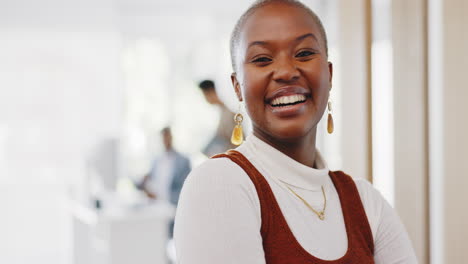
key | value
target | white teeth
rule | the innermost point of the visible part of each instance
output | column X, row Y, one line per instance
column 288, row 99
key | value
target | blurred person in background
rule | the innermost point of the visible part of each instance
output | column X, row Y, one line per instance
column 222, row 139
column 167, row 175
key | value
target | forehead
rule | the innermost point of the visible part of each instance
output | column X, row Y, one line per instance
column 277, row 22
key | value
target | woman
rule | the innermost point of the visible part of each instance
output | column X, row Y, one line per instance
column 273, row 200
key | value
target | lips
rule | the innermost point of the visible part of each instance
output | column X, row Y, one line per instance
column 288, row 101
column 287, row 95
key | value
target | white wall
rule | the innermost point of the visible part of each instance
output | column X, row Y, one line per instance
column 448, row 61
column 61, row 93
column 353, row 75
column 410, row 121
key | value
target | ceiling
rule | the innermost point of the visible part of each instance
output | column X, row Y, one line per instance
column 93, row 14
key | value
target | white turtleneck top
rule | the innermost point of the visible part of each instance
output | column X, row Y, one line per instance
column 218, row 217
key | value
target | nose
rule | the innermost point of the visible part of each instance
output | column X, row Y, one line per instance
column 286, row 71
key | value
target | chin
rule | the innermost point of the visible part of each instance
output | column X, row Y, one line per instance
column 291, row 132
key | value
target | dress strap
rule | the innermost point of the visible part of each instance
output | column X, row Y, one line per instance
column 264, row 192
column 353, row 210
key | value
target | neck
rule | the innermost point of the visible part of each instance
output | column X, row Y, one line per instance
column 300, row 149
column 220, row 104
column 169, row 149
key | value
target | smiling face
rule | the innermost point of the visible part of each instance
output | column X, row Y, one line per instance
column 283, row 73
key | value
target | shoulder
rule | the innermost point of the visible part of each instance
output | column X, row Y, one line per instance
column 364, row 187
column 223, row 180
column 215, row 190
column 373, row 202
column 218, row 173
column 391, row 240
column 370, row 196
column 218, row 201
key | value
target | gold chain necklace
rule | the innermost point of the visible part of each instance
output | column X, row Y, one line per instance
column 320, row 214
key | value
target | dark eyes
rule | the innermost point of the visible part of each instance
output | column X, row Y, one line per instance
column 302, row 55
column 305, row 53
column 262, row 60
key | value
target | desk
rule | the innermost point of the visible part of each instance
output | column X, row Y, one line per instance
column 118, row 236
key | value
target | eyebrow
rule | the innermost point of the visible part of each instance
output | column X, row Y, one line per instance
column 311, row 35
column 300, row 38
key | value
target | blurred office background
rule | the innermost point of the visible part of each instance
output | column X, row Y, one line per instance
column 86, row 86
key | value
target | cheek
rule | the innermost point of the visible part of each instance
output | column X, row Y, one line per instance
column 254, row 103
column 255, row 77
column 254, row 86
column 318, row 80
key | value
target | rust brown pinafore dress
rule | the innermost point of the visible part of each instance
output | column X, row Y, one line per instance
column 280, row 245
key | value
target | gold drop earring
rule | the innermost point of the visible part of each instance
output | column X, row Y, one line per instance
column 237, row 135
column 330, row 126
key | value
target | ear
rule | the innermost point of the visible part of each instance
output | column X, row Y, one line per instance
column 236, row 85
column 330, row 71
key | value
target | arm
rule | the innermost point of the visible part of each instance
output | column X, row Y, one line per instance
column 143, row 185
column 179, row 180
column 391, row 242
column 218, row 217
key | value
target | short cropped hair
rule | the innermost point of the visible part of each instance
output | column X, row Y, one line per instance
column 234, row 43
column 165, row 130
column 206, row 85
